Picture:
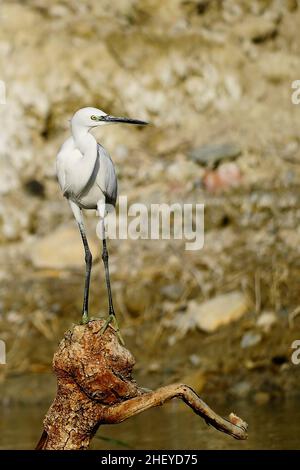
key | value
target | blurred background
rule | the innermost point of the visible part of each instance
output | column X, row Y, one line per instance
column 214, row 77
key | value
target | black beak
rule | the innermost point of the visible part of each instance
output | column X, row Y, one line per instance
column 125, row 120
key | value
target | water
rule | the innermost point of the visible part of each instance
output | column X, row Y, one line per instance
column 273, row 426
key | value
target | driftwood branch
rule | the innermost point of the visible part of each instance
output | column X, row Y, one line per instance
column 95, row 386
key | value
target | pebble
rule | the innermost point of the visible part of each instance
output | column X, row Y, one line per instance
column 250, row 339
column 194, row 359
column 226, row 176
column 212, row 154
column 62, row 249
column 266, row 320
column 241, row 389
column 172, row 292
column 219, row 311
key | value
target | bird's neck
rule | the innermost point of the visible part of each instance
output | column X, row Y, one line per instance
column 87, row 145
column 84, row 141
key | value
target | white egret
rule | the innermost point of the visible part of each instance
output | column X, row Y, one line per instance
column 87, row 178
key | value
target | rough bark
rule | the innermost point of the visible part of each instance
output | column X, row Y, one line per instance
column 95, row 386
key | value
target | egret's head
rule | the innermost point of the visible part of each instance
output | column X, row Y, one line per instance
column 93, row 117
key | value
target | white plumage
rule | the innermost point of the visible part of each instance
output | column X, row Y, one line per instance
column 86, row 188
column 87, row 178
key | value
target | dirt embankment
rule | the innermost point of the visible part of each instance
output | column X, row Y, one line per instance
column 204, row 73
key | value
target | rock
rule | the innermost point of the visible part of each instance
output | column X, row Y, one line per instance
column 14, row 221
column 194, row 359
column 226, row 176
column 250, row 339
column 214, row 313
column 8, row 177
column 14, row 317
column 266, row 320
column 256, row 29
column 212, row 154
column 233, row 87
column 276, row 66
column 62, row 249
column 183, row 171
column 203, row 91
column 265, row 201
column 153, row 367
column 183, row 322
column 290, row 238
column 172, row 292
column 241, row 389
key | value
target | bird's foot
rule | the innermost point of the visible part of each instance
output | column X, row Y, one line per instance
column 84, row 318
column 113, row 323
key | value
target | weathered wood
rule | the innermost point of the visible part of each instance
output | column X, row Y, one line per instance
column 95, row 386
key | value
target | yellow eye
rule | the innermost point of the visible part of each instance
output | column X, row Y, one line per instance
column 94, row 118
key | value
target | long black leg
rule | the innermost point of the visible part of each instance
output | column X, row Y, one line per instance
column 107, row 277
column 88, row 268
column 112, row 316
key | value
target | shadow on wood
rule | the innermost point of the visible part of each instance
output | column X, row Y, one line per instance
column 95, row 386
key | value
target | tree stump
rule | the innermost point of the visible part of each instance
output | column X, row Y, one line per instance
column 95, row 386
